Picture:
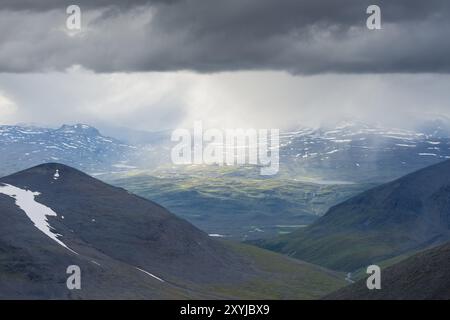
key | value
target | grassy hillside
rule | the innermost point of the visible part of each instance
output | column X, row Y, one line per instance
column 405, row 215
column 281, row 277
column 340, row 251
column 419, row 277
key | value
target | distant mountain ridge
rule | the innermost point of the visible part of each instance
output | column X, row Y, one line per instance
column 359, row 152
column 345, row 152
column 79, row 145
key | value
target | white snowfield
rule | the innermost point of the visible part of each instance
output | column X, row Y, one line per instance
column 37, row 212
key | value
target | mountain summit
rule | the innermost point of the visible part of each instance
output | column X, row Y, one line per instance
column 80, row 128
column 90, row 212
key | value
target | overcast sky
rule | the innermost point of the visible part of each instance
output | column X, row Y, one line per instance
column 237, row 63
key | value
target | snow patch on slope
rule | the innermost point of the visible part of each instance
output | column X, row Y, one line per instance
column 36, row 212
column 216, row 235
column 151, row 275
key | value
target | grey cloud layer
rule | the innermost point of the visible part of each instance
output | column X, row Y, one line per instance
column 44, row 5
column 306, row 37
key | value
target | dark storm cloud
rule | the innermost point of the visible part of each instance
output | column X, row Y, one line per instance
column 43, row 5
column 297, row 36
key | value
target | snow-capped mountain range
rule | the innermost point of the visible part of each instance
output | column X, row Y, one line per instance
column 347, row 152
column 78, row 145
column 360, row 152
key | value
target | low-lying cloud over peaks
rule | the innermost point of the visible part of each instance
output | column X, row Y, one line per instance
column 297, row 36
column 159, row 101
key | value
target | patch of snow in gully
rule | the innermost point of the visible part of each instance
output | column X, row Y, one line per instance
column 36, row 211
column 151, row 275
column 95, row 262
column 56, row 175
column 216, row 235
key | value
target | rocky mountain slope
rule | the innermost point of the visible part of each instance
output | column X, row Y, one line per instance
column 54, row 216
column 408, row 214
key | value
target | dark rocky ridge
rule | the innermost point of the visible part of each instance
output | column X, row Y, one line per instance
column 107, row 225
column 117, row 223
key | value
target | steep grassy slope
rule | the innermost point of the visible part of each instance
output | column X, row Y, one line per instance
column 408, row 214
column 425, row 275
column 281, row 277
